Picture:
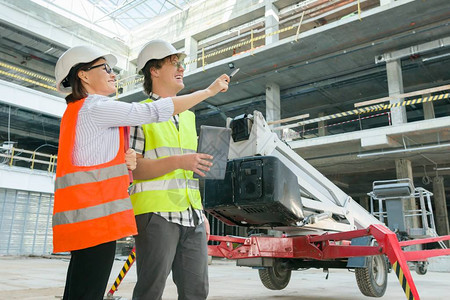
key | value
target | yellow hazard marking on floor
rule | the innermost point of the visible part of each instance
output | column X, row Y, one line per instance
column 124, row 270
column 403, row 282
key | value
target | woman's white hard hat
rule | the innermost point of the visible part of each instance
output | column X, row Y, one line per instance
column 75, row 56
column 156, row 49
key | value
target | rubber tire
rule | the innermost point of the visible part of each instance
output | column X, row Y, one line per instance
column 372, row 280
column 421, row 269
column 276, row 277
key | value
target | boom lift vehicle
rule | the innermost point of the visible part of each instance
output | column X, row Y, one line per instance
column 316, row 225
column 267, row 185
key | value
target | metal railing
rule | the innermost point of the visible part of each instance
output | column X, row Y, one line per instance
column 12, row 155
column 377, row 108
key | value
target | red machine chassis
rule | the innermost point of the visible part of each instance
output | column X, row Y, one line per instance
column 325, row 247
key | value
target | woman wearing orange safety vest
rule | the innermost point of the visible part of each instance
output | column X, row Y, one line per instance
column 92, row 208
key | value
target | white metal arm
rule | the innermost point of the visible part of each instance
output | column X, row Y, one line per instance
column 319, row 194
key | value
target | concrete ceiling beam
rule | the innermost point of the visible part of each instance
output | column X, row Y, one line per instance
column 413, row 50
column 29, row 99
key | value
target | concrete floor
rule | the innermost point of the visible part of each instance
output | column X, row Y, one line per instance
column 43, row 278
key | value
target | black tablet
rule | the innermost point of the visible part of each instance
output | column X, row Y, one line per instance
column 214, row 141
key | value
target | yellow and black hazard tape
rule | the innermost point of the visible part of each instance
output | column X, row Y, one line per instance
column 232, row 47
column 403, row 282
column 32, row 74
column 123, row 272
column 134, row 81
column 371, row 109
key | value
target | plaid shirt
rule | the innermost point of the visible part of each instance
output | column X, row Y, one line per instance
column 137, row 142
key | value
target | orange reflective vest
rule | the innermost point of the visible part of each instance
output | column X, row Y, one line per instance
column 92, row 205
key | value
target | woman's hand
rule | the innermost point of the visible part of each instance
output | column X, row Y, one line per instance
column 130, row 159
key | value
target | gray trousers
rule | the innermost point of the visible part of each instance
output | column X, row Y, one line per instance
column 162, row 247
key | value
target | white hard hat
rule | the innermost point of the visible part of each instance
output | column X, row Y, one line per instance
column 156, row 49
column 74, row 56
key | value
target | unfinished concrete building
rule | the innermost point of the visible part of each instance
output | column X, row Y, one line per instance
column 357, row 88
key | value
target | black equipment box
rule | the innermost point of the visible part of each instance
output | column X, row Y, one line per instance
column 257, row 191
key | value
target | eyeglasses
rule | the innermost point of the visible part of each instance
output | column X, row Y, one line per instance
column 107, row 68
column 178, row 64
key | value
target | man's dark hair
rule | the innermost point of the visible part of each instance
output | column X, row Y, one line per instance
column 78, row 91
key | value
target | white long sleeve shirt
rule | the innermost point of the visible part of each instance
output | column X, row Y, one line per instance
column 97, row 131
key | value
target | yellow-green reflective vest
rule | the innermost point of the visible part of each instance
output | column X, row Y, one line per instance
column 176, row 190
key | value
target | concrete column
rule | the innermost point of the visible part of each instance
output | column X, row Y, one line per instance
column 322, row 130
column 364, row 202
column 273, row 107
column 440, row 206
column 428, row 109
column 395, row 86
column 404, row 170
column 271, row 21
column 191, row 48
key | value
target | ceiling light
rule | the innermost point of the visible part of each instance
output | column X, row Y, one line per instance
column 50, row 49
column 435, row 57
column 442, row 169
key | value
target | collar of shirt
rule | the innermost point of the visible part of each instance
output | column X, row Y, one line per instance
column 156, row 97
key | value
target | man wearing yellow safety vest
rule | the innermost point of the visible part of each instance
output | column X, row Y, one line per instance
column 165, row 196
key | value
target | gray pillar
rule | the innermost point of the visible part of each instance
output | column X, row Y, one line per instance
column 273, row 108
column 322, row 130
column 242, row 231
column 395, row 86
column 364, row 202
column 440, row 206
column 271, row 21
column 404, row 170
column 191, row 48
column 428, row 109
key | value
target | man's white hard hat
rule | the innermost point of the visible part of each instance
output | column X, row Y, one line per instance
column 75, row 56
column 156, row 49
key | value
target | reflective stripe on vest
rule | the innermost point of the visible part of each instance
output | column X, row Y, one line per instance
column 90, row 176
column 91, row 205
column 93, row 212
column 166, row 151
column 169, row 184
column 176, row 190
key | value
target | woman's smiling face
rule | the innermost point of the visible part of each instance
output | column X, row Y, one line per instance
column 99, row 78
